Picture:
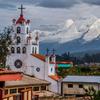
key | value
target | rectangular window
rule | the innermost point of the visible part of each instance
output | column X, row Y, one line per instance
column 70, row 85
column 43, row 87
column 80, row 86
column 35, row 88
column 13, row 91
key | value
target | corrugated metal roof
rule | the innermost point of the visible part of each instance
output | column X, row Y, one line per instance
column 82, row 79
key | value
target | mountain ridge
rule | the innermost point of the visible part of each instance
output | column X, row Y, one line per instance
column 70, row 38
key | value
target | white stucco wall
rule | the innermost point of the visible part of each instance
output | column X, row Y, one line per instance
column 34, row 63
column 54, row 86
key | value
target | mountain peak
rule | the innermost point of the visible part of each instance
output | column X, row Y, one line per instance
column 68, row 23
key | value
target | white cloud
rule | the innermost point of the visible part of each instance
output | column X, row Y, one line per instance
column 45, row 16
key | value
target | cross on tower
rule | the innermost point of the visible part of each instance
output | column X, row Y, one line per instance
column 21, row 8
column 47, row 50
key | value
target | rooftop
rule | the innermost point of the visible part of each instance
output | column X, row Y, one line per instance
column 55, row 77
column 26, row 80
column 20, row 20
column 82, row 79
column 8, row 75
column 39, row 56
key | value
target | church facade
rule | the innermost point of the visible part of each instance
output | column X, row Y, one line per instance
column 25, row 57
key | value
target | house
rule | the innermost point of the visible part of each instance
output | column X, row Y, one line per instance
column 8, row 75
column 18, row 86
column 73, row 85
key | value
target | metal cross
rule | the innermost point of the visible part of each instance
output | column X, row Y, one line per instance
column 47, row 51
column 21, row 8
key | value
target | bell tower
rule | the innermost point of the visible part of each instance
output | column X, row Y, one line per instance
column 24, row 43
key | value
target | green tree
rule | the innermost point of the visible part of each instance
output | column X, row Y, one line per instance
column 5, row 41
column 91, row 94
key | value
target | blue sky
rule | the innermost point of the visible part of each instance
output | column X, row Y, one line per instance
column 45, row 12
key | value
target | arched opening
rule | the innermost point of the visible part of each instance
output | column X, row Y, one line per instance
column 18, row 30
column 24, row 50
column 12, row 50
column 27, row 30
column 18, row 40
column 18, row 49
column 51, row 69
column 33, row 50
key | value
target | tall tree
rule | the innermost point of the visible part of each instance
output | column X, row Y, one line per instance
column 5, row 41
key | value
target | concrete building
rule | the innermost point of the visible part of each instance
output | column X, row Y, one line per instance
column 73, row 85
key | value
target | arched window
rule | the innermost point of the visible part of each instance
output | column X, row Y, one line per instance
column 33, row 50
column 51, row 69
column 12, row 50
column 24, row 50
column 27, row 30
column 18, row 49
column 18, row 39
column 18, row 30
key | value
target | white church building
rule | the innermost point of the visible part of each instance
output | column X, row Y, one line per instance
column 25, row 57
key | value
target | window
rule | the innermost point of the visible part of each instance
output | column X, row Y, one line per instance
column 33, row 50
column 2, row 84
column 80, row 86
column 70, row 85
column 37, row 69
column 18, row 49
column 18, row 30
column 24, row 50
column 27, row 30
column 12, row 50
column 35, row 88
column 6, row 91
column 18, row 40
column 13, row 91
column 51, row 69
column 43, row 87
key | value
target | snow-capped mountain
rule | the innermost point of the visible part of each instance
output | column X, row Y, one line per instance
column 74, row 36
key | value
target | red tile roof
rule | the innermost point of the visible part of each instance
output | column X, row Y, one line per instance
column 8, row 75
column 55, row 77
column 39, row 56
column 20, row 20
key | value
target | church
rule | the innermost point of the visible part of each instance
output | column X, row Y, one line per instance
column 25, row 57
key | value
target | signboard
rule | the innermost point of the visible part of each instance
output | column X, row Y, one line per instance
column 64, row 65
